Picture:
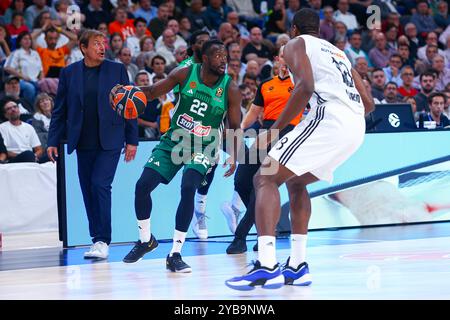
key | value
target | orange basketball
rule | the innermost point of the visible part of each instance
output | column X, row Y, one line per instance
column 129, row 102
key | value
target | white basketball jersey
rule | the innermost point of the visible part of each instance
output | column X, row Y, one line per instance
column 333, row 81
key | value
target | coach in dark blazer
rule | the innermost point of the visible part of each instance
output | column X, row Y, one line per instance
column 83, row 115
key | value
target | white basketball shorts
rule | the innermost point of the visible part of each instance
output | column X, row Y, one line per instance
column 327, row 137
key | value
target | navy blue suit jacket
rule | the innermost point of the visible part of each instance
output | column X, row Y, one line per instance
column 67, row 116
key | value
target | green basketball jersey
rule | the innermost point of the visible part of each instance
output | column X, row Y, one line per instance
column 199, row 111
column 185, row 63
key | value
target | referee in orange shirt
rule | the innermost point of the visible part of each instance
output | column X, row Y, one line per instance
column 271, row 98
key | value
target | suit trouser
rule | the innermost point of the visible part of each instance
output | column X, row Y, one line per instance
column 96, row 170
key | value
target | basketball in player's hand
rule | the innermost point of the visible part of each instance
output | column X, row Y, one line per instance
column 129, row 102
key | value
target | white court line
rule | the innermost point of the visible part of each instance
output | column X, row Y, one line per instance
column 360, row 240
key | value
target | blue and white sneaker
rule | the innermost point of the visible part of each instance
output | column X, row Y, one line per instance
column 258, row 276
column 299, row 276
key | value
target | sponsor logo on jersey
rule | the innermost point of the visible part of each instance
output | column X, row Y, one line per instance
column 219, row 92
column 290, row 89
column 187, row 123
column 271, row 88
column 193, row 84
column 190, row 91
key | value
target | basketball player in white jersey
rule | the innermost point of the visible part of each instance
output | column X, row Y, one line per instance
column 332, row 131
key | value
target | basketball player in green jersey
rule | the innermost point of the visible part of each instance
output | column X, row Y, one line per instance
column 196, row 41
column 206, row 96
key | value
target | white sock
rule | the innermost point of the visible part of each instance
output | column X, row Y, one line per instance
column 178, row 241
column 144, row 230
column 236, row 201
column 200, row 203
column 266, row 251
column 298, row 249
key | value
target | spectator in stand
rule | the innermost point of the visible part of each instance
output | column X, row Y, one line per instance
column 180, row 54
column 355, row 48
column 115, row 44
column 392, row 71
column 132, row 42
column 16, row 27
column 447, row 103
column 431, row 40
column 17, row 6
column 447, row 51
column 147, row 52
column 436, row 104
column 253, row 68
column 443, row 77
column 427, row 83
column 20, row 138
column 413, row 104
column 276, row 24
column 125, row 58
column 378, row 83
column 146, row 11
column 341, row 43
column 121, row 24
column 158, row 67
column 127, row 5
column 34, row 10
column 293, row 7
column 233, row 19
column 26, row 64
column 103, row 28
column 246, row 11
column 423, row 20
column 175, row 27
column 12, row 90
column 251, row 81
column 341, row 33
column 393, row 18
column 391, row 37
column 380, row 54
column 51, row 56
column 442, row 18
column 362, row 67
column 4, row 46
column 216, row 13
column 158, row 24
column 175, row 11
column 167, row 47
column 390, row 93
column 256, row 49
column 43, row 21
column 96, row 14
column 148, row 121
column 41, row 119
column 234, row 69
column 327, row 30
column 225, row 33
column 407, row 89
column 343, row 15
column 185, row 28
column 430, row 53
column 403, row 51
column 316, row 5
column 411, row 35
column 197, row 17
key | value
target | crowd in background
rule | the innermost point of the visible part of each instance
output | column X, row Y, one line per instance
column 404, row 58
